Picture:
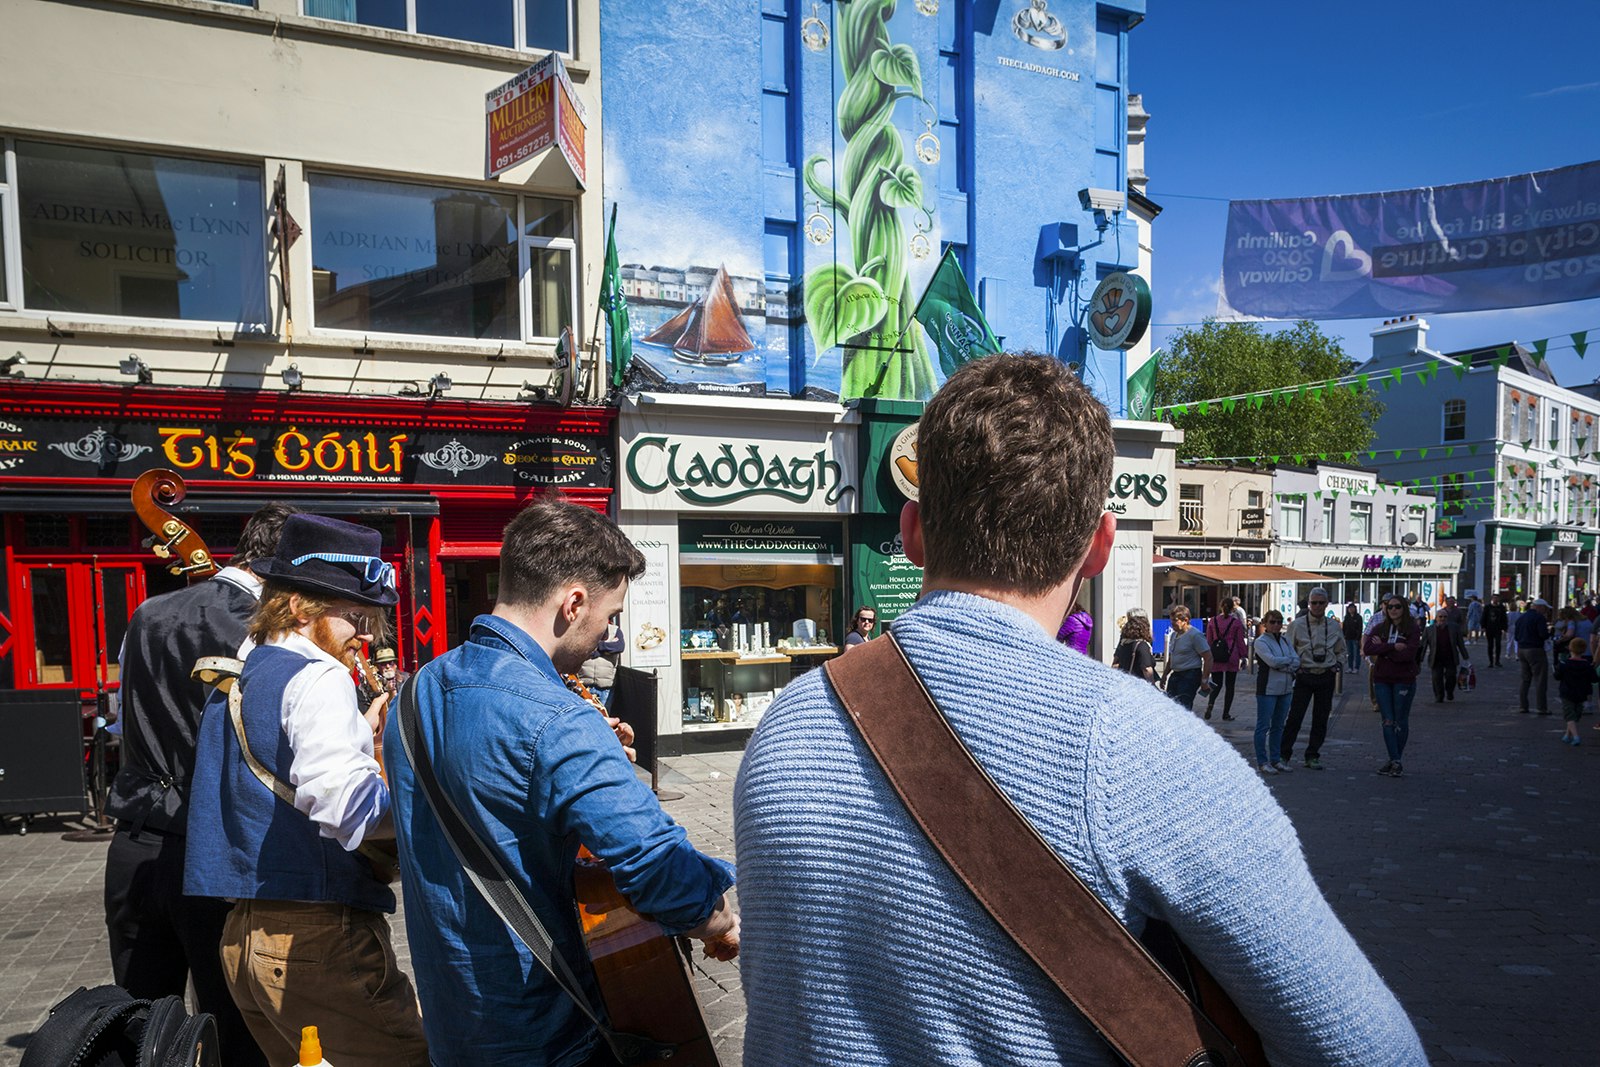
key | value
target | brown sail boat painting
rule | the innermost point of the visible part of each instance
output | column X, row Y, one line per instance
column 708, row 331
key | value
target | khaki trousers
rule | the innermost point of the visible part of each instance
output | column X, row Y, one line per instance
column 293, row 964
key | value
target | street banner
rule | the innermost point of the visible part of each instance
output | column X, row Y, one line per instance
column 1509, row 242
column 615, row 304
column 571, row 124
column 950, row 314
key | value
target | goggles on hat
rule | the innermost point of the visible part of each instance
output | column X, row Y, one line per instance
column 377, row 570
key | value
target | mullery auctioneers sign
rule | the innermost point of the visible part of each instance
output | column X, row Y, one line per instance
column 529, row 113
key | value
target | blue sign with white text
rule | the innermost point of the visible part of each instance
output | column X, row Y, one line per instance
column 1509, row 242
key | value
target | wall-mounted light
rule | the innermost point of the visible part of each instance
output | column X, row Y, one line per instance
column 134, row 367
column 12, row 365
column 292, row 378
column 439, row 384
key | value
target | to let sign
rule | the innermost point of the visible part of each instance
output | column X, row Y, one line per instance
column 532, row 111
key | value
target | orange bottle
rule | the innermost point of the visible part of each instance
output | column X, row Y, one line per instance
column 311, row 1048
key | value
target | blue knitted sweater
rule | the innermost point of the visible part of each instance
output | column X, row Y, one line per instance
column 860, row 947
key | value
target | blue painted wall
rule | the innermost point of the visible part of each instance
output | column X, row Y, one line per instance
column 1021, row 108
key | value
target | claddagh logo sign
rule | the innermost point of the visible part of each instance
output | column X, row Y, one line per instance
column 727, row 475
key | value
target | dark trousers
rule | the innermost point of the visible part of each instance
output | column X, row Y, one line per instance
column 1444, row 679
column 1224, row 681
column 1316, row 692
column 1497, row 641
column 1535, row 672
column 160, row 939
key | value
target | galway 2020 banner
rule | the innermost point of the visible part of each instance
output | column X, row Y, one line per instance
column 1509, row 242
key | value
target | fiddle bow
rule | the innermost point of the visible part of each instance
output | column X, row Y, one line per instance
column 171, row 539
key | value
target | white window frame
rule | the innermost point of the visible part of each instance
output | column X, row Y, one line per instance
column 1453, row 404
column 525, row 245
column 1391, row 522
column 519, row 27
column 10, row 223
column 1361, row 508
column 1284, row 510
column 524, row 265
column 1554, row 417
column 1328, row 516
column 11, row 254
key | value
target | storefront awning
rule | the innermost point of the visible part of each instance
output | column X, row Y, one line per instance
column 348, row 503
column 1245, row 573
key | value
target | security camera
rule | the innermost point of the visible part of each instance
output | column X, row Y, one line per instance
column 1107, row 200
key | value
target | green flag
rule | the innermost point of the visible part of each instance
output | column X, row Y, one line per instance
column 950, row 314
column 615, row 304
column 1142, row 390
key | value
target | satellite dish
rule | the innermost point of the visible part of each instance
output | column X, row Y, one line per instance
column 1409, row 539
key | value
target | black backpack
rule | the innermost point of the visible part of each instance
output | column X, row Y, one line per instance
column 106, row 1027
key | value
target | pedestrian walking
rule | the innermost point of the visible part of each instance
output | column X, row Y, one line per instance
column 1495, row 624
column 1188, row 660
column 1575, row 675
column 1474, row 618
column 1135, row 654
column 1351, row 626
column 1443, row 648
column 1532, row 631
column 1393, row 645
column 1514, row 610
column 1228, row 651
column 1274, row 687
column 1320, row 644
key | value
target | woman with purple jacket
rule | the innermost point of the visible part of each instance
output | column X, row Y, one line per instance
column 1077, row 629
column 1226, row 628
column 1392, row 645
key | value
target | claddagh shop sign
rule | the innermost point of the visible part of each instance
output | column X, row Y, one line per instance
column 729, row 473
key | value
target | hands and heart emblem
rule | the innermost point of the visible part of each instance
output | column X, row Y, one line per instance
column 1114, row 314
column 908, row 466
column 1342, row 261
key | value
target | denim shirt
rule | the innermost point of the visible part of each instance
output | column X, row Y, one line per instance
column 535, row 771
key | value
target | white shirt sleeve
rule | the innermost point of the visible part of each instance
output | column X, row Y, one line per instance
column 331, row 768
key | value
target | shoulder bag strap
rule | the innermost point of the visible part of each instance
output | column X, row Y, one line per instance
column 1078, row 943
column 489, row 876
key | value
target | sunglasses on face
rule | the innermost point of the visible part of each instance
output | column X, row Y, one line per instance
column 359, row 619
column 868, row 619
column 1319, row 603
column 1395, row 607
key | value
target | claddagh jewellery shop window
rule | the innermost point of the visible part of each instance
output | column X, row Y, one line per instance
column 760, row 604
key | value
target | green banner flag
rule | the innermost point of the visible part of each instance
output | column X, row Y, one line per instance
column 1580, row 341
column 1539, row 349
column 1142, row 390
column 950, row 314
column 614, row 302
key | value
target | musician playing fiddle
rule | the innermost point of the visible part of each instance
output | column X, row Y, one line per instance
column 535, row 770
column 286, row 788
column 160, row 940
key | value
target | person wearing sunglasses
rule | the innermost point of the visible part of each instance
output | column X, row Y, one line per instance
column 1320, row 643
column 1393, row 644
column 861, row 627
column 286, row 790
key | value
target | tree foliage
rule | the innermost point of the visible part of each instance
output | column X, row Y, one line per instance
column 1228, row 359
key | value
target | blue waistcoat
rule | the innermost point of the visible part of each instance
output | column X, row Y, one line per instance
column 245, row 843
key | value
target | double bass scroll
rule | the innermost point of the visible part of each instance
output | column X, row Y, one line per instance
column 171, row 539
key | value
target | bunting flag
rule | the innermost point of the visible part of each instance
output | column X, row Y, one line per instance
column 1142, row 391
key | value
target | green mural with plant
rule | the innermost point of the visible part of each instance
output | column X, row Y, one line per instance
column 864, row 299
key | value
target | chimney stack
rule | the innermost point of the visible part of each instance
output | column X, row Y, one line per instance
column 1399, row 337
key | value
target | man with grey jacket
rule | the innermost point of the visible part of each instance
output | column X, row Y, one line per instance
column 1319, row 642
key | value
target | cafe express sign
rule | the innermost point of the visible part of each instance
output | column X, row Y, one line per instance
column 735, row 472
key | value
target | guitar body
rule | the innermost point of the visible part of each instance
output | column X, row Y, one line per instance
column 643, row 973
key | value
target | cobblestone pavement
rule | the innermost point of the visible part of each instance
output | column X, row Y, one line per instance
column 1472, row 881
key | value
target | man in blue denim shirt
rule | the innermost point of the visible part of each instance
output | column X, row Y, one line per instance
column 535, row 772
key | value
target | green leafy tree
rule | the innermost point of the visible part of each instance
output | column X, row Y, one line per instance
column 1228, row 359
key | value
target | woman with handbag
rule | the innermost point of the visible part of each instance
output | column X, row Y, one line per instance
column 1226, row 635
column 1276, row 660
column 1135, row 654
column 1188, row 660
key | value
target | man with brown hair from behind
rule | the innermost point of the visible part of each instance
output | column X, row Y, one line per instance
column 862, row 946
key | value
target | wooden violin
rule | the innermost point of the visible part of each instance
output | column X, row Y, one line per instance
column 172, row 539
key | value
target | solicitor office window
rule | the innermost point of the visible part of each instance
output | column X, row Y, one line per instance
column 529, row 25
column 105, row 232
column 1360, row 523
column 391, row 257
column 1455, row 420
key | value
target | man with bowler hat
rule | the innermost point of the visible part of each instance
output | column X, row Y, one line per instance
column 286, row 789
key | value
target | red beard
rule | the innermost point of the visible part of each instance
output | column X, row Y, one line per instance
column 322, row 636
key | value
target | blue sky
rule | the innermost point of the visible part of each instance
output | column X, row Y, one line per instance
column 1250, row 99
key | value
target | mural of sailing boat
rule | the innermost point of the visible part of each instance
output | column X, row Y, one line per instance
column 708, row 332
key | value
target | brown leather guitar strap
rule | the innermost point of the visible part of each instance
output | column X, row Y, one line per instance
column 1035, row 897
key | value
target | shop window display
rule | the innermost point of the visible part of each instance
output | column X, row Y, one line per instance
column 748, row 630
